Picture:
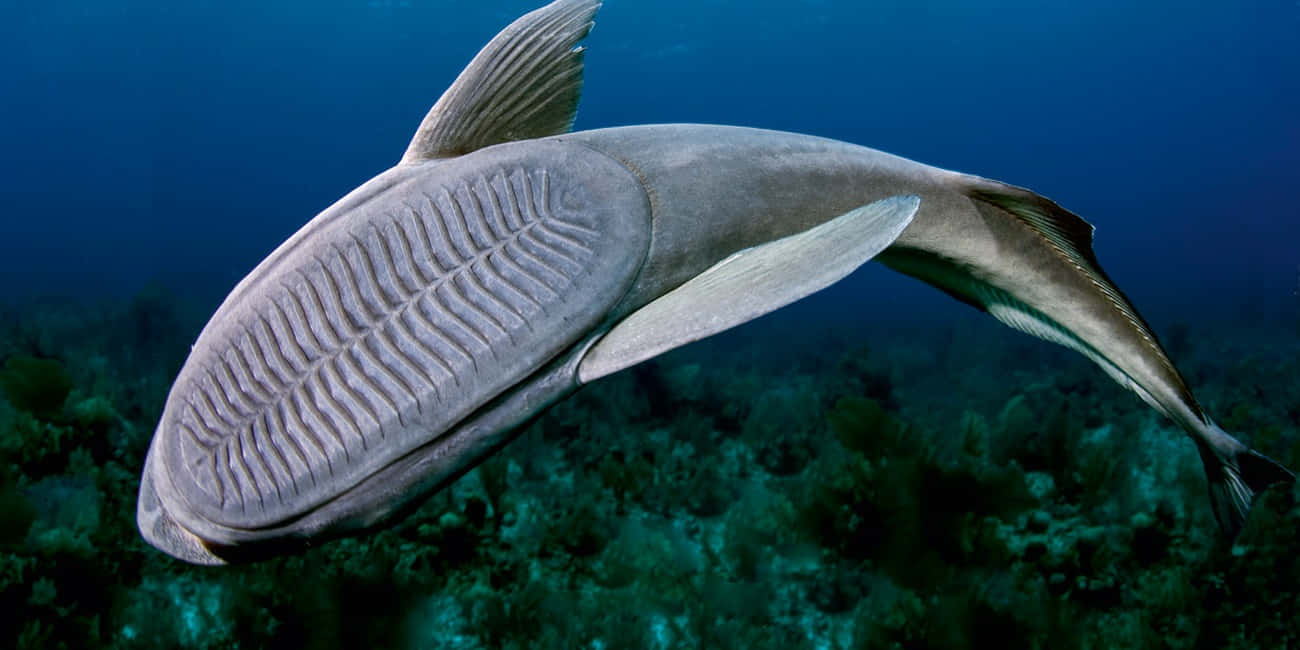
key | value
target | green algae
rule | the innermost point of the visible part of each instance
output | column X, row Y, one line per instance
column 37, row 386
column 690, row 504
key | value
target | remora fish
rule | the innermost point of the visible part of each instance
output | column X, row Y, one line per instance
column 404, row 333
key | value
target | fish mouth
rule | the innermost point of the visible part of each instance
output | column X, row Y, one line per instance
column 162, row 531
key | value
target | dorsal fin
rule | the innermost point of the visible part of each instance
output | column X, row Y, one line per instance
column 523, row 84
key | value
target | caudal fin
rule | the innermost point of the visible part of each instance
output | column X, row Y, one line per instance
column 1236, row 475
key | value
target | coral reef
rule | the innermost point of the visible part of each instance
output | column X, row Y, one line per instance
column 861, row 498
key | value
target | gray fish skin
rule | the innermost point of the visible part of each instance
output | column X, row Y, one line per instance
column 1020, row 257
column 409, row 330
column 763, row 185
column 321, row 458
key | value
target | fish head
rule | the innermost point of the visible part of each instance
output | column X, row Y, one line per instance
column 398, row 337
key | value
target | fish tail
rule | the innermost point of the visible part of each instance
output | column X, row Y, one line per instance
column 1236, row 474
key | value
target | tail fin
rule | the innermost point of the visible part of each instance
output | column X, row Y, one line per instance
column 1237, row 474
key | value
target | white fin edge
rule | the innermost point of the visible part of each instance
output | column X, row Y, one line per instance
column 1019, row 316
column 751, row 283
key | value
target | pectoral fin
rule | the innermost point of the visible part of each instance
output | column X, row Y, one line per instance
column 523, row 84
column 750, row 283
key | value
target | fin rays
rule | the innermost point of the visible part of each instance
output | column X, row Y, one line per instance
column 525, row 83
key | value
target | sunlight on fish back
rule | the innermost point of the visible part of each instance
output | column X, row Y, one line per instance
column 406, row 332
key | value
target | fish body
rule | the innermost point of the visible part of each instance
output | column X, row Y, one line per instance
column 407, row 331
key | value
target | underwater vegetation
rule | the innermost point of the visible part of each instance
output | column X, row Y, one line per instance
column 889, row 496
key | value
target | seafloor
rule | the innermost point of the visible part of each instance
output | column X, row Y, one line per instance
column 944, row 485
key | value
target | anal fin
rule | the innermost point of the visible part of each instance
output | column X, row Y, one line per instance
column 750, row 283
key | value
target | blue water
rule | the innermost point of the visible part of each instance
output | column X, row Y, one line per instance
column 746, row 491
column 180, row 142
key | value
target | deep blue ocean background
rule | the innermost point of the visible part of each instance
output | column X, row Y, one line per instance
column 181, row 142
column 876, row 466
